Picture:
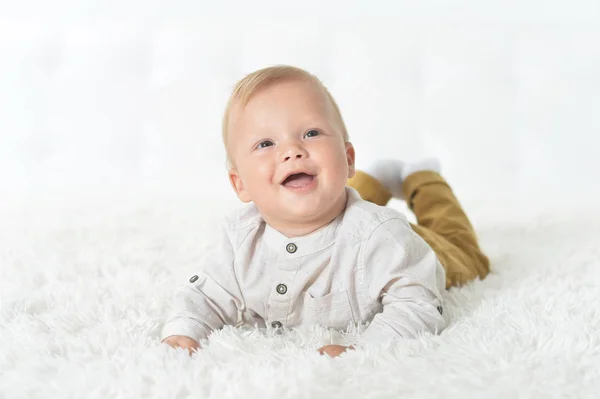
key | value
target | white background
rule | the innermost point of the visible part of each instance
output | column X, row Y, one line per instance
column 128, row 95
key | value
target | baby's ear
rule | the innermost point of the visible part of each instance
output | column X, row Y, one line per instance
column 238, row 186
column 350, row 157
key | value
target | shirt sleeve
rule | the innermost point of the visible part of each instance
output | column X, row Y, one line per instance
column 211, row 298
column 401, row 270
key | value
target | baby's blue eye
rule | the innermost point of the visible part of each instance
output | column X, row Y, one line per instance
column 312, row 133
column 265, row 144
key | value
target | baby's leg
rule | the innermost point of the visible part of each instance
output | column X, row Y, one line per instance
column 442, row 222
column 370, row 188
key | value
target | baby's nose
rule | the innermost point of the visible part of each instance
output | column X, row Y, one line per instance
column 297, row 155
column 294, row 152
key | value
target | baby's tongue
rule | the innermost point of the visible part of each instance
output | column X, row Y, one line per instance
column 299, row 180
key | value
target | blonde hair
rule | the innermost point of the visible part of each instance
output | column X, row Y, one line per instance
column 253, row 82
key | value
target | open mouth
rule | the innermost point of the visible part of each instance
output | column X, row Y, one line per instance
column 298, row 180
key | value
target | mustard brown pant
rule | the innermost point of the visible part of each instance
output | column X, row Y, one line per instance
column 441, row 222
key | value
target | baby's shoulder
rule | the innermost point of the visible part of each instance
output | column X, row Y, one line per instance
column 364, row 217
column 242, row 216
column 241, row 222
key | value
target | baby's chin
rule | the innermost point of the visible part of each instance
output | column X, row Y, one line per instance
column 314, row 207
column 311, row 212
column 295, row 212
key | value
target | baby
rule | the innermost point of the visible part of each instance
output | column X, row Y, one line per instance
column 315, row 243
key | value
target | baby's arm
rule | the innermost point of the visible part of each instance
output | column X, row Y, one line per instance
column 208, row 301
column 402, row 271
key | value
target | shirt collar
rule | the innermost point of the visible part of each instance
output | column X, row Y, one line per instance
column 297, row 247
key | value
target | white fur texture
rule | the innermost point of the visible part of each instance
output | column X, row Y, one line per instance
column 85, row 288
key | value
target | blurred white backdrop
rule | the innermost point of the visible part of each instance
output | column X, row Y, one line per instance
column 100, row 96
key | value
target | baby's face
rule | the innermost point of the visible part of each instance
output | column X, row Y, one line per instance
column 290, row 157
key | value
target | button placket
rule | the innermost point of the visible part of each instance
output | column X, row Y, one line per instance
column 280, row 297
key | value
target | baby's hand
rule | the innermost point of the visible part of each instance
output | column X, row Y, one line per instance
column 182, row 341
column 334, row 350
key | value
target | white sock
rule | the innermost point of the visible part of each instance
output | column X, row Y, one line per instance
column 432, row 164
column 392, row 172
column 389, row 173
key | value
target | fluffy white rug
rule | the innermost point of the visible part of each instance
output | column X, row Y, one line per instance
column 84, row 290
